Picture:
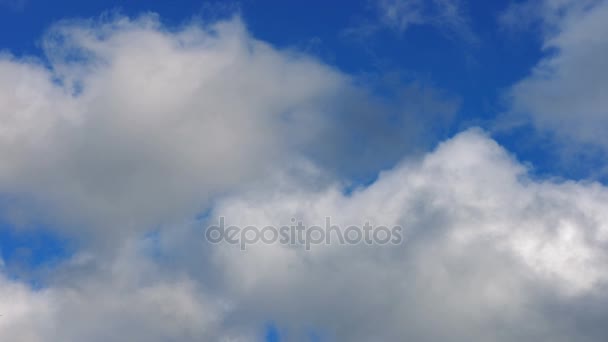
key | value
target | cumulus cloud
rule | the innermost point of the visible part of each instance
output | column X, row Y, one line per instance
column 134, row 124
column 487, row 250
column 123, row 299
column 489, row 254
column 134, row 129
column 564, row 93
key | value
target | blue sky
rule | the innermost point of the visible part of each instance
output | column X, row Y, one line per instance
column 125, row 120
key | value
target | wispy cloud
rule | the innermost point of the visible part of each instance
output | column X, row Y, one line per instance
column 449, row 16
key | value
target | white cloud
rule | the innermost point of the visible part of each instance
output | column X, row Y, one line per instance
column 139, row 127
column 482, row 239
column 564, row 94
column 489, row 254
column 123, row 299
column 134, row 125
column 164, row 119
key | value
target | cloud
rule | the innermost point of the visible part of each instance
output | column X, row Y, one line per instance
column 489, row 254
column 140, row 136
column 143, row 124
column 487, row 250
column 125, row 299
column 449, row 16
column 563, row 95
column 134, row 125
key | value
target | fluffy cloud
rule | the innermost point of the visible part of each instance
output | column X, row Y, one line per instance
column 489, row 254
column 135, row 129
column 123, row 299
column 487, row 250
column 134, row 125
column 564, row 94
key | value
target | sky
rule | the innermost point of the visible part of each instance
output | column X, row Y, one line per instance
column 477, row 128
